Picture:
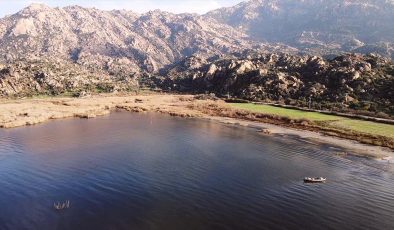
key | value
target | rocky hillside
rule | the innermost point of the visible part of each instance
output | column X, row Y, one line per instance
column 347, row 82
column 316, row 26
column 98, row 38
column 37, row 77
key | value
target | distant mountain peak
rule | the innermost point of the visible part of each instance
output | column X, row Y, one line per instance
column 35, row 7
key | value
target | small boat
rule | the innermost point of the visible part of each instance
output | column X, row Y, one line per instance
column 314, row 180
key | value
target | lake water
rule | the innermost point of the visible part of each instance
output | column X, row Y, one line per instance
column 134, row 171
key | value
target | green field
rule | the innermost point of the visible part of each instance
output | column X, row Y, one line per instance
column 368, row 127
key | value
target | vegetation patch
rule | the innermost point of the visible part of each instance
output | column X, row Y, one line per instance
column 324, row 120
column 369, row 127
column 292, row 113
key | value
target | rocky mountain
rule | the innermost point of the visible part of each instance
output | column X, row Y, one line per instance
column 124, row 42
column 114, row 39
column 359, row 82
column 316, row 26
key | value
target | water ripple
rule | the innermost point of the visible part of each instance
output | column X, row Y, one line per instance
column 122, row 172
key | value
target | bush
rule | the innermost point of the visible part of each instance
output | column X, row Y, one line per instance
column 383, row 115
column 104, row 88
column 235, row 100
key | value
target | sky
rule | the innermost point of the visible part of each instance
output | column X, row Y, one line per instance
column 176, row 6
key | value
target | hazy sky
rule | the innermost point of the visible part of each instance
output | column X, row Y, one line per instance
column 176, row 6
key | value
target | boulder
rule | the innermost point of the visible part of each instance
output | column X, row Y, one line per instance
column 244, row 67
column 265, row 131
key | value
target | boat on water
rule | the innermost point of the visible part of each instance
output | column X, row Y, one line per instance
column 314, row 180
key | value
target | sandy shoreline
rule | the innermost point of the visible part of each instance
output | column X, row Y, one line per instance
column 16, row 113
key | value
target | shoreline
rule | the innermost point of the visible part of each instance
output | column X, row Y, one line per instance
column 25, row 112
column 350, row 147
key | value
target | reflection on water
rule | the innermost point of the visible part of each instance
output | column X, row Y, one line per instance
column 132, row 171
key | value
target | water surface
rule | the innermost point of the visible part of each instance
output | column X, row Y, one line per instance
column 133, row 171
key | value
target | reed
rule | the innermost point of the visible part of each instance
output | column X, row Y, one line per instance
column 61, row 205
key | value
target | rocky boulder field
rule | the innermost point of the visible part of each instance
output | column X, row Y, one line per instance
column 345, row 83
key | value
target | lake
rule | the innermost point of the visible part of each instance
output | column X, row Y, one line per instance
column 151, row 171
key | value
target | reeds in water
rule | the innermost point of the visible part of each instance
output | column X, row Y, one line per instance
column 61, row 205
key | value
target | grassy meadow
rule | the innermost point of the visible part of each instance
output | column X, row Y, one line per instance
column 368, row 127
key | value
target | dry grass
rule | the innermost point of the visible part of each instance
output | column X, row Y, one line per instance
column 14, row 113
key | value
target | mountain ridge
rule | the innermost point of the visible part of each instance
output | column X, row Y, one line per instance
column 242, row 22
column 316, row 26
column 150, row 41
